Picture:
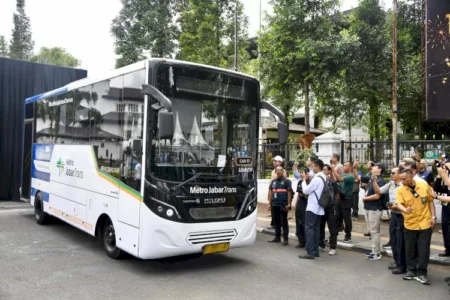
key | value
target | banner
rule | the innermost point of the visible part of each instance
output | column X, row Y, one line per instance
column 438, row 60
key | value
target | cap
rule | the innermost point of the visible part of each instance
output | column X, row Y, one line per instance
column 278, row 158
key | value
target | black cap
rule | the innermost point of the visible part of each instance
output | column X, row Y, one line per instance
column 381, row 166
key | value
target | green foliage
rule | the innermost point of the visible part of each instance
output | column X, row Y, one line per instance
column 55, row 56
column 144, row 28
column 207, row 33
column 21, row 45
column 301, row 156
column 3, row 47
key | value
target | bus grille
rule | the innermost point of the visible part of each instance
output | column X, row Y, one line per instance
column 212, row 213
column 211, row 237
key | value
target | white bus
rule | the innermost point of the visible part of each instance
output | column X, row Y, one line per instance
column 157, row 159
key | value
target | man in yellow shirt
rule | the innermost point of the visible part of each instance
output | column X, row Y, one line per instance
column 415, row 201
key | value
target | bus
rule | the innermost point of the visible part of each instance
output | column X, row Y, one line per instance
column 156, row 159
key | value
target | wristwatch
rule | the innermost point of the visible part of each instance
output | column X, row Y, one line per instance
column 434, row 217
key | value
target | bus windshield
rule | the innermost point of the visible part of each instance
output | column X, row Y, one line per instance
column 213, row 126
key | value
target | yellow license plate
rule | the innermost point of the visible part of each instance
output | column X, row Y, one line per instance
column 214, row 248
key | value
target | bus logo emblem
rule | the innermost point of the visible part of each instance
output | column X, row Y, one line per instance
column 60, row 166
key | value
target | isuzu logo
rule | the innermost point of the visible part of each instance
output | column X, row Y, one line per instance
column 215, row 200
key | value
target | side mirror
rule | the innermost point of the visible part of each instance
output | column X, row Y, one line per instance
column 165, row 125
column 155, row 93
column 282, row 133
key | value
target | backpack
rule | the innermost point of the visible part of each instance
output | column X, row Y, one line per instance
column 327, row 196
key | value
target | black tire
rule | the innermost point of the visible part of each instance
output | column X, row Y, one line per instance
column 109, row 240
column 39, row 213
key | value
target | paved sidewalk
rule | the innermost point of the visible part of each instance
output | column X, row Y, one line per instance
column 5, row 205
column 359, row 242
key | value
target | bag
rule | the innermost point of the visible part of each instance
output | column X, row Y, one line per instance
column 327, row 196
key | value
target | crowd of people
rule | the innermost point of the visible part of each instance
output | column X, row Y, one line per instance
column 408, row 196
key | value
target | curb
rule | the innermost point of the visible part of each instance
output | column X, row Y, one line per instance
column 434, row 259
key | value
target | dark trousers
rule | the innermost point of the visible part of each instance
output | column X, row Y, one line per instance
column 445, row 226
column 330, row 219
column 300, row 210
column 417, row 245
column 397, row 237
column 279, row 216
column 312, row 233
column 355, row 204
column 343, row 215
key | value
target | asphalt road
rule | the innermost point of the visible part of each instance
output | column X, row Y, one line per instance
column 59, row 262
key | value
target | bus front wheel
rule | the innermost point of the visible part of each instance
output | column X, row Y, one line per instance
column 109, row 240
column 39, row 213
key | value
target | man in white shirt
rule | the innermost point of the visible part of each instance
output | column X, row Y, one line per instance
column 138, row 174
column 313, row 211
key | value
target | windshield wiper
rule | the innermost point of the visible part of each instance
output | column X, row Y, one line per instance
column 186, row 181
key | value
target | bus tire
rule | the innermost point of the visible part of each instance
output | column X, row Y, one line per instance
column 109, row 240
column 39, row 213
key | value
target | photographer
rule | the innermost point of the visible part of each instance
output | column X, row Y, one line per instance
column 441, row 185
column 396, row 224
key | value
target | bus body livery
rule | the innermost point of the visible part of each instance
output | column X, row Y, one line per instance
column 157, row 159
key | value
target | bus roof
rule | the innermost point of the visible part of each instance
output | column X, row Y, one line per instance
column 121, row 71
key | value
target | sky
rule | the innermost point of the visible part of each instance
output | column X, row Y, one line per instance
column 82, row 27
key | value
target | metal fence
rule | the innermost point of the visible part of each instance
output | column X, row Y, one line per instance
column 381, row 151
column 364, row 151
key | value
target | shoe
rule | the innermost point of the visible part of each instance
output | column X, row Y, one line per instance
column 444, row 254
column 398, row 271
column 317, row 255
column 409, row 275
column 275, row 240
column 374, row 257
column 423, row 279
column 347, row 240
column 285, row 242
column 300, row 246
column 392, row 266
column 321, row 248
column 306, row 256
column 332, row 252
column 369, row 254
column 367, row 234
column 387, row 246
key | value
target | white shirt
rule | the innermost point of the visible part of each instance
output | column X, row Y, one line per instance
column 138, row 170
column 418, row 178
column 315, row 187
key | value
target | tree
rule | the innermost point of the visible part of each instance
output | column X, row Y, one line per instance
column 144, row 28
column 21, row 45
column 3, row 47
column 55, row 56
column 370, row 71
column 301, row 50
column 207, row 33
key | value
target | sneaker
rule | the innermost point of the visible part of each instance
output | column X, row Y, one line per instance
column 369, row 254
column 398, row 271
column 275, row 240
column 374, row 257
column 392, row 266
column 332, row 252
column 444, row 254
column 347, row 240
column 387, row 246
column 423, row 279
column 306, row 256
column 409, row 275
column 367, row 234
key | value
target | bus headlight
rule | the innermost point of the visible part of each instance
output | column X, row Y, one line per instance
column 169, row 213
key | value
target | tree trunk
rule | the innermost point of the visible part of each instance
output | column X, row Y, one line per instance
column 306, row 92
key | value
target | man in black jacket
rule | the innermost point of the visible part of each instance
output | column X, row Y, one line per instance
column 300, row 209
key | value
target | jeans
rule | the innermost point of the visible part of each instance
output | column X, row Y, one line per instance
column 355, row 206
column 445, row 226
column 312, row 233
column 330, row 219
column 374, row 222
column 397, row 236
column 280, row 219
column 300, row 210
column 417, row 244
column 343, row 215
